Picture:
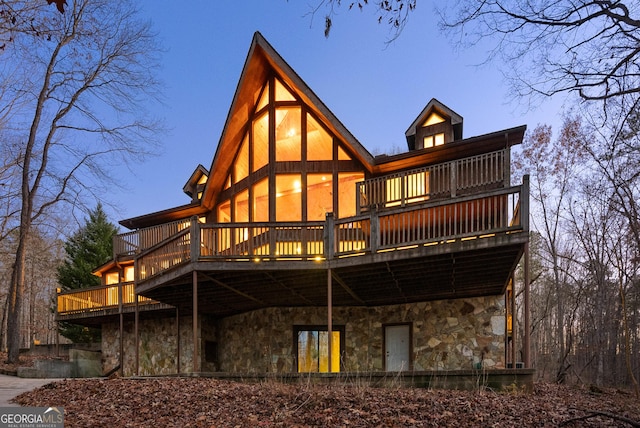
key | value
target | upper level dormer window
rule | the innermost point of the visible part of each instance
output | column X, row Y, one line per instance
column 436, row 125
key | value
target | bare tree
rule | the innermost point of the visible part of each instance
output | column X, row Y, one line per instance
column 394, row 13
column 553, row 166
column 588, row 47
column 85, row 77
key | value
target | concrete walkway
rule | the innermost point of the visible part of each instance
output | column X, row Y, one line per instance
column 11, row 386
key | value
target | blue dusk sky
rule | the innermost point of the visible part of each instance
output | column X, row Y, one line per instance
column 376, row 89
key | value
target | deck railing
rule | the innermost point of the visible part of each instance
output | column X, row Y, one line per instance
column 449, row 179
column 131, row 243
column 98, row 298
column 427, row 223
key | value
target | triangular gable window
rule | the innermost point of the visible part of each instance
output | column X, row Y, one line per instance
column 433, row 119
column 282, row 93
column 241, row 166
column 342, row 155
column 264, row 98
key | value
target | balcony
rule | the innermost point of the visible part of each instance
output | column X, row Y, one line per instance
column 446, row 231
column 102, row 301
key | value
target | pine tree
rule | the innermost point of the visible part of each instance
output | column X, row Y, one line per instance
column 88, row 248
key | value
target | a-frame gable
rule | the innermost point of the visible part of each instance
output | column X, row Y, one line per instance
column 445, row 118
column 263, row 61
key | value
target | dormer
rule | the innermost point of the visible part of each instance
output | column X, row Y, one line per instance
column 195, row 185
column 436, row 125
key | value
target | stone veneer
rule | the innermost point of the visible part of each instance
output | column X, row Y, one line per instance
column 447, row 335
column 158, row 346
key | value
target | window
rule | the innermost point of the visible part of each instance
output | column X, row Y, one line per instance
column 433, row 119
column 319, row 196
column 129, row 274
column 261, row 201
column 319, row 142
column 433, row 140
column 260, row 142
column 241, row 166
column 347, row 193
column 288, row 137
column 312, row 348
column 112, row 278
column 288, row 197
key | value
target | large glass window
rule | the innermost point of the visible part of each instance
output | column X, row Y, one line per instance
column 312, row 346
column 261, row 201
column 319, row 196
column 288, row 197
column 241, row 166
column 260, row 142
column 347, row 193
column 319, row 141
column 241, row 207
column 282, row 93
column 288, row 137
column 224, row 212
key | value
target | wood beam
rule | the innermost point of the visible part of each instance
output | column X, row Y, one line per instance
column 235, row 290
column 346, row 288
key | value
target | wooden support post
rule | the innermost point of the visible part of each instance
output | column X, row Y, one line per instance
column 196, row 343
column 121, row 316
column 514, row 323
column 329, row 320
column 178, row 340
column 374, row 222
column 137, row 329
column 329, row 236
column 527, row 327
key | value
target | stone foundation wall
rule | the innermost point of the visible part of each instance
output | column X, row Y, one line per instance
column 447, row 335
column 158, row 351
column 457, row 334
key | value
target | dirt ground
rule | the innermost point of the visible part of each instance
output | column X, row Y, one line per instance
column 202, row 402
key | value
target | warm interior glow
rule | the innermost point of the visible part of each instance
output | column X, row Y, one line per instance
column 112, row 278
column 241, row 207
column 433, row 119
column 347, row 193
column 288, row 197
column 224, row 212
column 313, row 351
column 264, row 98
column 282, row 93
column 260, row 203
column 260, row 151
column 433, row 140
column 319, row 141
column 288, row 138
column 241, row 166
column 319, row 196
column 129, row 274
column 342, row 155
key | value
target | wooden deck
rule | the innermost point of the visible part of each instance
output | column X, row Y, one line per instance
column 424, row 234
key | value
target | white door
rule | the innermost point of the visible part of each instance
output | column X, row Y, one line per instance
column 397, row 347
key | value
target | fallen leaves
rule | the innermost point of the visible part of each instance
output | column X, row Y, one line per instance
column 205, row 402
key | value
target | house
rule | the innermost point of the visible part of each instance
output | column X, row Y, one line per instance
column 299, row 251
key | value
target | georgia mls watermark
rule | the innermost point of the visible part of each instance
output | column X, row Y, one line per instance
column 31, row 417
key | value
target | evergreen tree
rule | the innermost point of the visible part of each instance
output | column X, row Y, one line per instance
column 88, row 248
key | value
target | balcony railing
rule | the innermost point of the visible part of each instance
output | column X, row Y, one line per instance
column 450, row 179
column 98, row 298
column 427, row 223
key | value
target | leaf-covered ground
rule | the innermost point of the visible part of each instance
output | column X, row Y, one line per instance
column 204, row 402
